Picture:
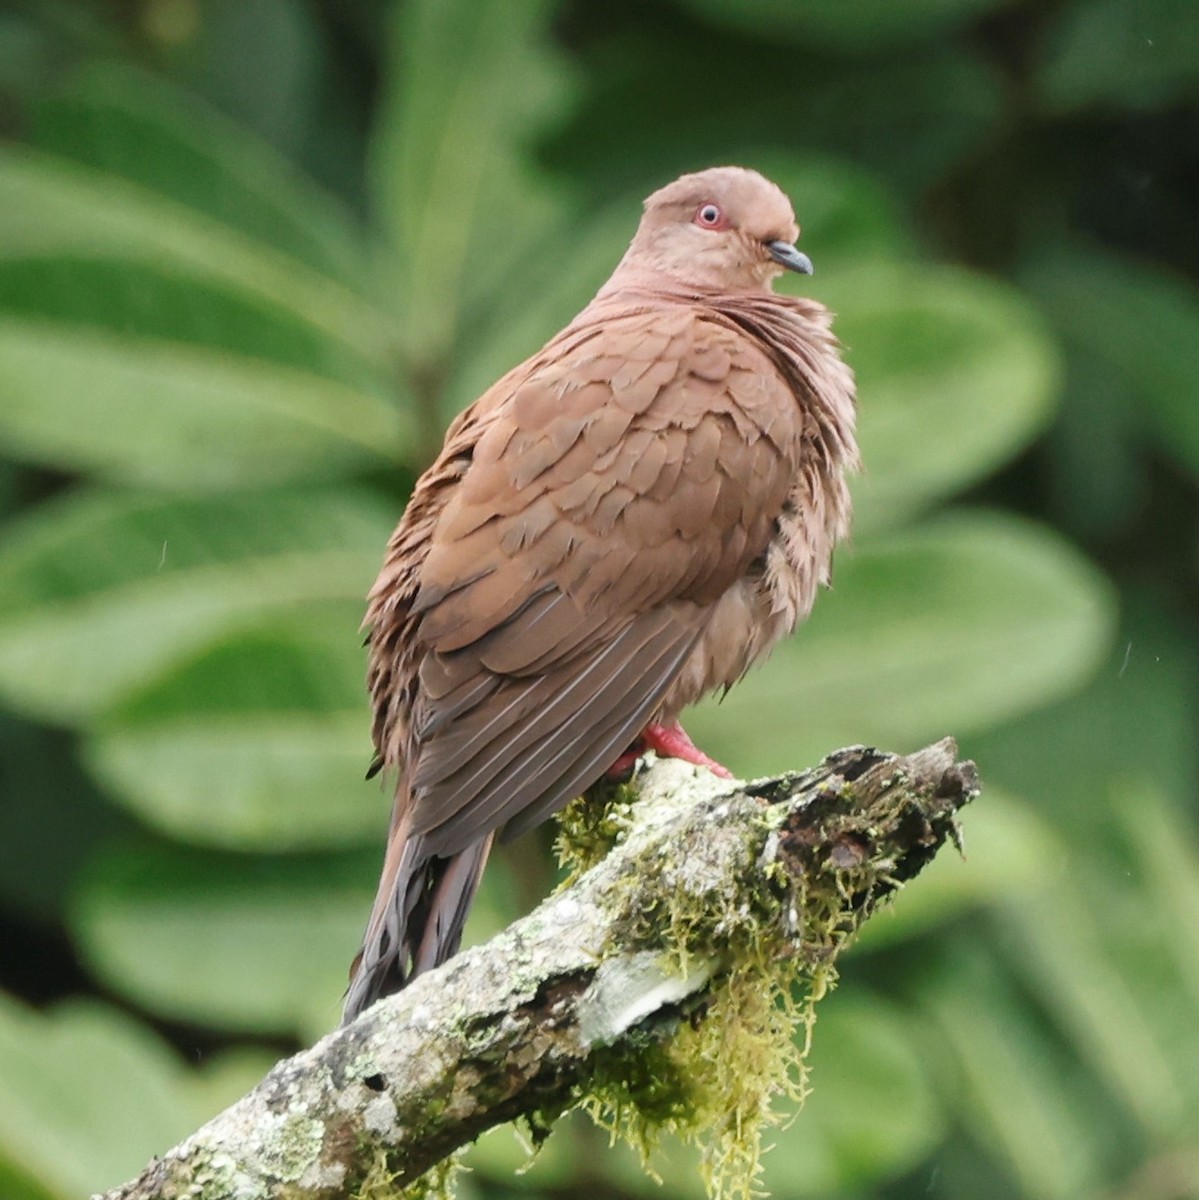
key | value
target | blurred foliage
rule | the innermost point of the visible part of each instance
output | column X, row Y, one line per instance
column 255, row 253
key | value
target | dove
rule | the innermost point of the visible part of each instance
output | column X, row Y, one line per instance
column 625, row 522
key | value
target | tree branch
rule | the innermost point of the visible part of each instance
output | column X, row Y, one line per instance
column 607, row 966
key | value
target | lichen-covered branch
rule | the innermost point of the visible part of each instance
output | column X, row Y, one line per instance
column 702, row 881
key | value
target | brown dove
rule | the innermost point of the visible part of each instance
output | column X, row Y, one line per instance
column 626, row 521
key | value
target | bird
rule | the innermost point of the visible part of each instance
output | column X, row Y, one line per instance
column 623, row 523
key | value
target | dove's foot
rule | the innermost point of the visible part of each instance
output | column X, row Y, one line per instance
column 669, row 741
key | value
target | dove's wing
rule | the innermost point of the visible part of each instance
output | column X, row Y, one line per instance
column 612, row 498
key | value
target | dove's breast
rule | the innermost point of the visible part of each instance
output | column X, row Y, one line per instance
column 779, row 587
column 761, row 608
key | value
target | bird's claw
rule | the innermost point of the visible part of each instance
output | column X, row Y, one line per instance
column 668, row 741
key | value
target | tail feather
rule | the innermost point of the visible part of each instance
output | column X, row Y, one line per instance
column 454, row 883
column 418, row 916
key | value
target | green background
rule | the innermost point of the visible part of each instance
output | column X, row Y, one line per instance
column 255, row 253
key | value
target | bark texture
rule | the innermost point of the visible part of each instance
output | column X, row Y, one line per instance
column 525, row 1023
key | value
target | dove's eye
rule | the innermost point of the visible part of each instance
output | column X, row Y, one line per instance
column 709, row 216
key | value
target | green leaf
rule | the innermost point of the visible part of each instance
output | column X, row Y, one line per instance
column 84, row 295
column 864, row 26
column 1065, row 940
column 38, row 864
column 15, row 1184
column 174, row 415
column 1095, row 465
column 871, row 1115
column 1135, row 721
column 955, row 373
column 225, row 1077
column 1120, row 55
column 10, row 487
column 228, row 941
column 259, row 740
column 470, row 83
column 551, row 296
column 1018, row 1093
column 952, row 103
column 1098, row 940
column 845, row 213
column 1138, row 323
column 240, row 941
column 102, row 592
column 88, row 1095
column 299, row 95
column 944, row 628
column 128, row 123
column 1161, row 838
column 504, row 1157
column 268, row 779
column 53, row 206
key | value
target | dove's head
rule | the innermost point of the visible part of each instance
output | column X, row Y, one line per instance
column 726, row 228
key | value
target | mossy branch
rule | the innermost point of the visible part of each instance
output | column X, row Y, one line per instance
column 600, row 997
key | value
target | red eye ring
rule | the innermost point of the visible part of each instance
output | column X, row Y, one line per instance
column 710, row 216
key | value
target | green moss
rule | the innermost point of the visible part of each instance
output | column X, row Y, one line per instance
column 437, row 1183
column 590, row 825
column 380, row 1181
column 712, row 1081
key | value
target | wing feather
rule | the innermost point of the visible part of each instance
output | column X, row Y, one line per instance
column 613, row 494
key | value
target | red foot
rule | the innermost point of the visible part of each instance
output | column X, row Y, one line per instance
column 670, row 741
column 625, row 763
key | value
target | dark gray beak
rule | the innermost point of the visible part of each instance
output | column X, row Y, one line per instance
column 787, row 256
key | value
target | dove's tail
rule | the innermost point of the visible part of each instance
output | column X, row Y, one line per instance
column 416, row 923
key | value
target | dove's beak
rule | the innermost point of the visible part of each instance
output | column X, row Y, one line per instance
column 787, row 256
